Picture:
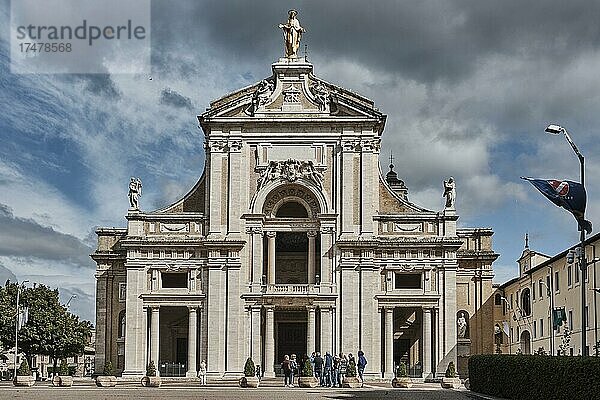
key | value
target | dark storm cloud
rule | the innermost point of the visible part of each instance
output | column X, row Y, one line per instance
column 97, row 84
column 172, row 98
column 20, row 237
column 425, row 40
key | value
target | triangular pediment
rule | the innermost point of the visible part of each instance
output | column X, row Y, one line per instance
column 292, row 92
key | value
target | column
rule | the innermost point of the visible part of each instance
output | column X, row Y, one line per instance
column 192, row 334
column 310, row 331
column 270, row 343
column 255, row 351
column 427, row 345
column 257, row 257
column 389, row 342
column 311, row 256
column 326, row 268
column 154, row 336
column 271, row 249
column 326, row 330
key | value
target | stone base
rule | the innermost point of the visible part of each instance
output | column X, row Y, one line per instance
column 249, row 382
column 63, row 381
column 106, row 381
column 308, row 382
column 24, row 381
column 151, row 381
column 351, row 382
column 403, row 382
column 450, row 383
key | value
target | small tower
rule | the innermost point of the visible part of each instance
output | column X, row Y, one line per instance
column 396, row 184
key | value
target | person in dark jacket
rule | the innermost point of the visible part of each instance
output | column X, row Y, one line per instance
column 319, row 368
column 286, row 367
column 328, row 370
column 362, row 363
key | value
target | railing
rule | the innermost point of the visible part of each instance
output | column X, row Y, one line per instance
column 302, row 288
column 413, row 371
column 172, row 369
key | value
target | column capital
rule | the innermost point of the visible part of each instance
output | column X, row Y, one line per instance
column 192, row 309
column 154, row 308
column 311, row 308
column 311, row 234
column 389, row 309
column 271, row 234
column 427, row 310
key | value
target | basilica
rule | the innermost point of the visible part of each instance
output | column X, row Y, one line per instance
column 293, row 240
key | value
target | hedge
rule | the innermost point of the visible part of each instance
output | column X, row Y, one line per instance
column 535, row 377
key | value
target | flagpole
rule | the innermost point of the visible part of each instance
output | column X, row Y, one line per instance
column 17, row 317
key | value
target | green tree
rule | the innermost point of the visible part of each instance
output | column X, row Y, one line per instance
column 51, row 329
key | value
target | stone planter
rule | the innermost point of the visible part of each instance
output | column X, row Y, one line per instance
column 24, row 380
column 450, row 383
column 402, row 382
column 106, row 381
column 308, row 382
column 63, row 381
column 351, row 382
column 151, row 381
column 249, row 382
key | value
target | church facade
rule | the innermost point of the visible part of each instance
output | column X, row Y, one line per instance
column 293, row 241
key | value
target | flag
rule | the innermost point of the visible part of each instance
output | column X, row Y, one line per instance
column 566, row 194
column 559, row 316
column 23, row 317
column 505, row 328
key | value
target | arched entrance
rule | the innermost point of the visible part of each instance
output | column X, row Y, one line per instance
column 526, row 342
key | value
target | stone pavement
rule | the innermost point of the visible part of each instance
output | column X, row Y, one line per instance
column 188, row 391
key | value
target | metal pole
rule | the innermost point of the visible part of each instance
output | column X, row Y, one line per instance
column 583, row 267
column 16, row 334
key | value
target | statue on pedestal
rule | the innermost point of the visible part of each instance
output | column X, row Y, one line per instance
column 462, row 326
column 135, row 192
column 292, row 33
column 450, row 193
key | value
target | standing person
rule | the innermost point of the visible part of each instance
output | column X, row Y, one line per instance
column 294, row 367
column 202, row 373
column 319, row 368
column 286, row 367
column 362, row 363
column 328, row 367
column 335, row 371
column 312, row 362
column 343, row 367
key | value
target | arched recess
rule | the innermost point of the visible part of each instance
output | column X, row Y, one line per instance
column 462, row 324
column 526, row 342
column 526, row 302
column 274, row 194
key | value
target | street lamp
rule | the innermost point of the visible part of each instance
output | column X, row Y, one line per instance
column 556, row 130
column 73, row 296
column 18, row 317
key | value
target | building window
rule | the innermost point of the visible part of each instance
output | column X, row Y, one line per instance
column 548, row 285
column 511, row 302
column 122, row 324
column 174, row 280
column 497, row 299
column 534, row 329
column 556, row 282
column 533, row 294
column 541, row 328
column 576, row 275
column 526, row 302
column 570, row 320
column 569, row 276
column 122, row 291
column 541, row 287
column 407, row 281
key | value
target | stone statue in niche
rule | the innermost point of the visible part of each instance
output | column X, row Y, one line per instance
column 450, row 193
column 135, row 192
column 462, row 326
column 292, row 33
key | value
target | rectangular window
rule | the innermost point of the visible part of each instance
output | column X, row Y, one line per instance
column 533, row 297
column 174, row 280
column 511, row 302
column 534, row 329
column 122, row 291
column 408, row 281
column 569, row 276
column 548, row 285
column 570, row 320
column 541, row 286
column 541, row 328
column 576, row 275
column 556, row 282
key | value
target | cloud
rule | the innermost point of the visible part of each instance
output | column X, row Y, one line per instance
column 6, row 274
column 172, row 98
column 22, row 237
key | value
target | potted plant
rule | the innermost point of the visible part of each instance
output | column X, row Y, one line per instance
column 24, row 377
column 63, row 378
column 249, row 379
column 401, row 379
column 350, row 380
column 151, row 379
column 108, row 378
column 450, row 381
column 307, row 380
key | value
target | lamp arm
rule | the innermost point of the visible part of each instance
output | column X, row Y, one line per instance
column 573, row 145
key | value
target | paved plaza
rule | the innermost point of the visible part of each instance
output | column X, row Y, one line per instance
column 184, row 391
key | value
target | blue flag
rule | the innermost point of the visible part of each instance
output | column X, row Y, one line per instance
column 566, row 194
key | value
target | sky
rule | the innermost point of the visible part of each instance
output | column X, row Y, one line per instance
column 468, row 87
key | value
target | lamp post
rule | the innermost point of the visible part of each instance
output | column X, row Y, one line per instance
column 17, row 317
column 556, row 130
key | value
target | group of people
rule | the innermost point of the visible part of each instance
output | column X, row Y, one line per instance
column 330, row 370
